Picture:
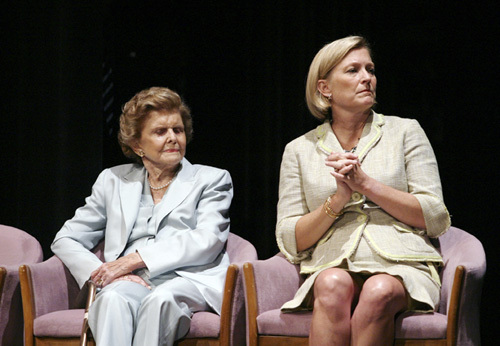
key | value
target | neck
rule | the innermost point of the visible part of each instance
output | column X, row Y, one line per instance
column 159, row 176
column 348, row 128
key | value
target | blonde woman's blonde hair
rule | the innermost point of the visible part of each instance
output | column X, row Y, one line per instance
column 136, row 111
column 325, row 60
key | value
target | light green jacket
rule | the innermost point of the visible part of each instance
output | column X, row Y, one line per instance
column 393, row 150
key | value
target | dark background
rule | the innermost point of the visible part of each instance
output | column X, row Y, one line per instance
column 241, row 67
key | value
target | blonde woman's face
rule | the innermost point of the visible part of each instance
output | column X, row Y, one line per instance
column 352, row 83
column 163, row 140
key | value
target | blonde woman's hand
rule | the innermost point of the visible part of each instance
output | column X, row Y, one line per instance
column 342, row 164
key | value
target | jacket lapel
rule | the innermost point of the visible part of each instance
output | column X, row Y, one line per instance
column 327, row 142
column 130, row 198
column 180, row 188
column 371, row 134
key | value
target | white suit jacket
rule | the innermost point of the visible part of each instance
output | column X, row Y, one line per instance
column 191, row 231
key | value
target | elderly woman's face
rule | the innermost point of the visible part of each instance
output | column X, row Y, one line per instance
column 352, row 83
column 163, row 139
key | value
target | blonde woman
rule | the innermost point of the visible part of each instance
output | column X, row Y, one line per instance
column 358, row 198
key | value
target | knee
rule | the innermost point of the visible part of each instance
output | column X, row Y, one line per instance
column 111, row 302
column 110, row 298
column 157, row 299
column 160, row 301
column 382, row 296
column 333, row 288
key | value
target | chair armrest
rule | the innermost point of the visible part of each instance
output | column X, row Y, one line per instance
column 462, row 280
column 268, row 285
column 275, row 281
column 228, row 304
column 50, row 285
column 3, row 274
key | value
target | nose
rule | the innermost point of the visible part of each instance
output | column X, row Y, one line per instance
column 171, row 135
column 366, row 76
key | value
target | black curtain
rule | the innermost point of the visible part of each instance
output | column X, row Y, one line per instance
column 241, row 66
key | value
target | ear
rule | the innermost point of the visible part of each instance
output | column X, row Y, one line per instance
column 324, row 88
column 137, row 149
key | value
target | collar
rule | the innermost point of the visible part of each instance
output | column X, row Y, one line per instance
column 327, row 142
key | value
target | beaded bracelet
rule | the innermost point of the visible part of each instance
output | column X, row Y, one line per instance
column 329, row 211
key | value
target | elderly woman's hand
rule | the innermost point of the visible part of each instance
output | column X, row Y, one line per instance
column 110, row 271
column 133, row 278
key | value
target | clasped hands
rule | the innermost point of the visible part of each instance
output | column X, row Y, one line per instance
column 346, row 169
column 120, row 269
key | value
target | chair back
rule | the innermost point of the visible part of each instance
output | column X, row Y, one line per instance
column 233, row 316
column 43, row 277
column 18, row 247
column 239, row 250
column 456, row 246
column 460, row 248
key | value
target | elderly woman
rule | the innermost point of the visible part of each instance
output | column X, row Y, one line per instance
column 358, row 198
column 164, row 223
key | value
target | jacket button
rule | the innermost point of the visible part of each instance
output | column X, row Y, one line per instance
column 356, row 196
column 361, row 218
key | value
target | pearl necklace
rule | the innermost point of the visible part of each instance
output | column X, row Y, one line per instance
column 159, row 187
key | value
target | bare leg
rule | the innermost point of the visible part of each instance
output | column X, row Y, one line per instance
column 380, row 299
column 334, row 293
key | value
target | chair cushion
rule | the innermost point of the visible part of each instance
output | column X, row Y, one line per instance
column 274, row 322
column 59, row 324
column 204, row 324
column 409, row 325
column 416, row 325
column 68, row 323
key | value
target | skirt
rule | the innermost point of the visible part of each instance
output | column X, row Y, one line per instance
column 420, row 280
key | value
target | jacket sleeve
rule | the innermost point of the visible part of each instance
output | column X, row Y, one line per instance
column 82, row 233
column 291, row 205
column 423, row 180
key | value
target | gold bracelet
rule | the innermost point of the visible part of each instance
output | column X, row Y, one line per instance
column 329, row 211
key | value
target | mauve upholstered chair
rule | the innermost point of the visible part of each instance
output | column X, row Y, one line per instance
column 16, row 247
column 54, row 314
column 52, row 307
column 270, row 283
column 229, row 328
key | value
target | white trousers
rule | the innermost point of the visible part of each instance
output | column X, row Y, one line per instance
column 126, row 313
